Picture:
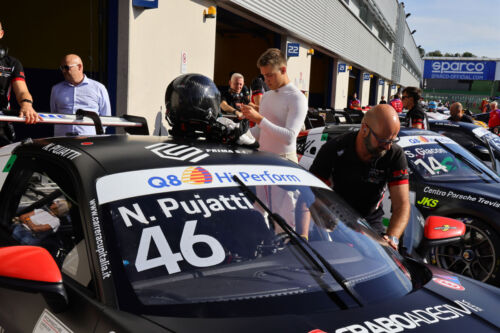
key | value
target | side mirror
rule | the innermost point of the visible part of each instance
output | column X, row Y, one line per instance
column 440, row 231
column 32, row 269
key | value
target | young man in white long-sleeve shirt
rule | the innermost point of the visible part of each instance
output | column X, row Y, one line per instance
column 282, row 110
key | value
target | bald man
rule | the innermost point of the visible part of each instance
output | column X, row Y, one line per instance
column 457, row 113
column 77, row 91
column 359, row 165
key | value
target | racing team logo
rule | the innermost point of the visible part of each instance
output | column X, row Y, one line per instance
column 178, row 152
column 423, row 139
column 447, row 281
column 196, row 176
column 444, row 227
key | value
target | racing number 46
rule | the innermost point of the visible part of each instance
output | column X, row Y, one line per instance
column 168, row 258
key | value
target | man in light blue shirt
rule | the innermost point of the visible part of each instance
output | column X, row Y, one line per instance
column 77, row 92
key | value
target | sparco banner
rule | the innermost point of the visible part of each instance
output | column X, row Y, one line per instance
column 459, row 69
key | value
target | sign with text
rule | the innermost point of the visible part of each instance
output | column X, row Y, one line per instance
column 342, row 68
column 366, row 76
column 459, row 69
column 145, row 3
column 381, row 82
column 292, row 49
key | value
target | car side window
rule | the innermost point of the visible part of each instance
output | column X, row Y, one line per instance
column 45, row 213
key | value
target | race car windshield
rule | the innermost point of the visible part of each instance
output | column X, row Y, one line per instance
column 435, row 163
column 214, row 244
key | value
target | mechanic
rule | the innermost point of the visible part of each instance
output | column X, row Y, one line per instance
column 494, row 120
column 457, row 113
column 416, row 115
column 283, row 108
column 36, row 225
column 12, row 78
column 396, row 103
column 354, row 102
column 77, row 91
column 235, row 96
column 258, row 87
column 432, row 106
column 359, row 165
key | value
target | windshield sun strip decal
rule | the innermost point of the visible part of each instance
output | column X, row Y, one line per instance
column 417, row 140
column 154, row 181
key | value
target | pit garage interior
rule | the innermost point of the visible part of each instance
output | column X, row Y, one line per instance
column 41, row 38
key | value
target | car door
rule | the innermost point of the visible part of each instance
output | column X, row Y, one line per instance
column 33, row 183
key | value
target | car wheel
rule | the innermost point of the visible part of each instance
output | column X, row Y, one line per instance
column 477, row 256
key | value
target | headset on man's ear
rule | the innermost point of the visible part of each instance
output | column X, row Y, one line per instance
column 3, row 51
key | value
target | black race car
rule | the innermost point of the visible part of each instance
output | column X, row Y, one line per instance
column 477, row 139
column 445, row 180
column 180, row 235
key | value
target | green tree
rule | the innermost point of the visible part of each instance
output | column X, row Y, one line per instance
column 468, row 55
column 436, row 53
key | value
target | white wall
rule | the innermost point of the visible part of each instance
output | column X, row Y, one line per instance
column 407, row 79
column 150, row 45
column 364, row 92
column 341, row 86
column 299, row 68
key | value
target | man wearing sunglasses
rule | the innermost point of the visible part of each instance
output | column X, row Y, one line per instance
column 12, row 78
column 416, row 114
column 77, row 91
column 359, row 165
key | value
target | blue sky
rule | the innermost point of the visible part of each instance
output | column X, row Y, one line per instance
column 456, row 25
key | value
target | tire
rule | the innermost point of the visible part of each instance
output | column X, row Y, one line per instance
column 478, row 256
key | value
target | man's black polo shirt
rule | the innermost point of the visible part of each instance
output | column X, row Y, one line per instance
column 361, row 185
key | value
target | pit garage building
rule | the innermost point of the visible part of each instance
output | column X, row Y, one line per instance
column 136, row 47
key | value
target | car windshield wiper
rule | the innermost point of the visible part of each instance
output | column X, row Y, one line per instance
column 466, row 161
column 306, row 249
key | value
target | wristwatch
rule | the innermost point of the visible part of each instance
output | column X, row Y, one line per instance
column 27, row 101
column 394, row 239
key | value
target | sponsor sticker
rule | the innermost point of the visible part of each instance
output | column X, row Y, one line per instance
column 416, row 140
column 144, row 182
column 10, row 163
column 49, row 323
column 451, row 282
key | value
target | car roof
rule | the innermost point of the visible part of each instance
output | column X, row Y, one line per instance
column 452, row 124
column 121, row 153
column 404, row 131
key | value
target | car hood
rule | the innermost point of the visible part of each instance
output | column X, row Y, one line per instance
column 447, row 302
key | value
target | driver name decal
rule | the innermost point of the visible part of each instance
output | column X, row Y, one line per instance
column 61, row 151
column 399, row 322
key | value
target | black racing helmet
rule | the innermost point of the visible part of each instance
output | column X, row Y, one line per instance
column 192, row 102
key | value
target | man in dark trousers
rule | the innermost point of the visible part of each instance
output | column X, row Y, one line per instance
column 359, row 165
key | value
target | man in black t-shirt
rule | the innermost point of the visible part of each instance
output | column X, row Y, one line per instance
column 12, row 79
column 416, row 114
column 258, row 87
column 236, row 95
column 457, row 113
column 359, row 165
